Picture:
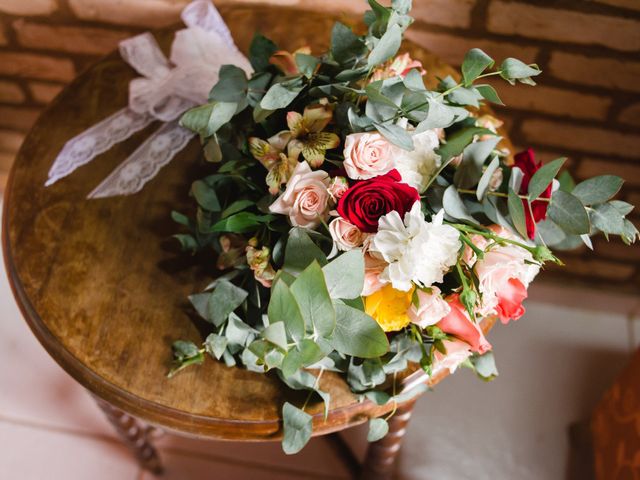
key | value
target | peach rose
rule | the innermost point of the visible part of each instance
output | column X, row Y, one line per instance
column 504, row 274
column 430, row 310
column 306, row 198
column 345, row 234
column 367, row 155
column 457, row 353
column 458, row 324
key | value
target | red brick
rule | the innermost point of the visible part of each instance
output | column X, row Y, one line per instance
column 10, row 141
column 31, row 65
column 452, row 48
column 18, row 118
column 615, row 249
column 4, row 176
column 596, row 269
column 28, row 7
column 10, row 92
column 591, row 167
column 596, row 71
column 147, row 13
column 631, row 115
column 43, row 92
column 450, row 13
column 86, row 40
column 588, row 139
column 555, row 101
column 630, row 4
column 3, row 36
column 511, row 18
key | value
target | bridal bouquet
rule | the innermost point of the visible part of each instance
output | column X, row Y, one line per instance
column 364, row 222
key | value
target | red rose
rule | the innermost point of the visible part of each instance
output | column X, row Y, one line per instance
column 526, row 162
column 368, row 200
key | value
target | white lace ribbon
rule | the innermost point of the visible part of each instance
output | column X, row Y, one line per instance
column 166, row 89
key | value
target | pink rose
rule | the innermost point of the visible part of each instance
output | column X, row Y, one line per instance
column 367, row 155
column 345, row 234
column 306, row 197
column 458, row 324
column 373, row 267
column 430, row 310
column 504, row 274
column 337, row 187
column 457, row 353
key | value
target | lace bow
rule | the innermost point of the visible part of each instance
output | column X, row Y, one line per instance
column 167, row 88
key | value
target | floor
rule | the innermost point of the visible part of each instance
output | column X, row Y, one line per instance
column 554, row 364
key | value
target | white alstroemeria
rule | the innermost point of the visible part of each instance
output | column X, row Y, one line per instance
column 417, row 251
column 417, row 167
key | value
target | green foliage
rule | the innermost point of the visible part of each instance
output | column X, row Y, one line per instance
column 345, row 275
column 311, row 294
column 543, row 178
column 209, row 118
column 378, row 429
column 296, row 426
column 597, row 189
column 475, row 62
column 568, row 212
column 516, row 210
column 301, row 251
column 283, row 307
column 357, row 334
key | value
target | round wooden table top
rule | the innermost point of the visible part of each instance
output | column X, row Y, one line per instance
column 104, row 290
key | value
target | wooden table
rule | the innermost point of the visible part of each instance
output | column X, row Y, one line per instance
column 105, row 292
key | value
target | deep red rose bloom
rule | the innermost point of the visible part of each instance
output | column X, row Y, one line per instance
column 526, row 162
column 368, row 200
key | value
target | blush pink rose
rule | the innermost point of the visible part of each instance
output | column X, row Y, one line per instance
column 345, row 234
column 337, row 188
column 306, row 198
column 430, row 310
column 458, row 324
column 457, row 353
column 367, row 155
column 504, row 274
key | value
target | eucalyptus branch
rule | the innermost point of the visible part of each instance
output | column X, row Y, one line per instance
column 503, row 195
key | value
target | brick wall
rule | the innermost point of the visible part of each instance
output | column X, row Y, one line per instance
column 587, row 105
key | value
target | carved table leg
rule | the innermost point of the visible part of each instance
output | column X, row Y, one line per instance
column 381, row 455
column 133, row 435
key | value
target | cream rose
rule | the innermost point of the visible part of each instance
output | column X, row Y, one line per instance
column 345, row 234
column 367, row 155
column 306, row 198
column 430, row 310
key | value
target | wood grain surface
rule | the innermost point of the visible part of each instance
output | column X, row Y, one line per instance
column 104, row 289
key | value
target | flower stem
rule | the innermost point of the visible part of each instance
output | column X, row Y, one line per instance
column 503, row 195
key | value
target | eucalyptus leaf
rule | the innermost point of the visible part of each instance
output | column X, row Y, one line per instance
column 276, row 334
column 568, row 212
column 396, row 135
column 485, row 365
column 474, row 156
column 215, row 345
column 378, row 429
column 485, row 179
column 260, row 51
column 345, row 45
column 457, row 142
column 607, row 219
column 543, row 178
column 307, row 64
column 516, row 210
column 475, row 62
column 623, row 207
column 280, row 95
column 387, row 47
column 297, row 426
column 301, row 251
column 224, row 299
column 205, row 196
column 310, row 291
column 232, row 85
column 345, row 275
column 598, row 189
column 514, row 69
column 241, row 222
column 284, row 308
column 207, row 119
column 454, row 206
column 357, row 334
column 489, row 93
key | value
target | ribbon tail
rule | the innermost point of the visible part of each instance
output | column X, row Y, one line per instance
column 145, row 162
column 83, row 148
column 203, row 14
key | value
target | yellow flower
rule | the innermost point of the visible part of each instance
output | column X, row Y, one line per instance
column 389, row 307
